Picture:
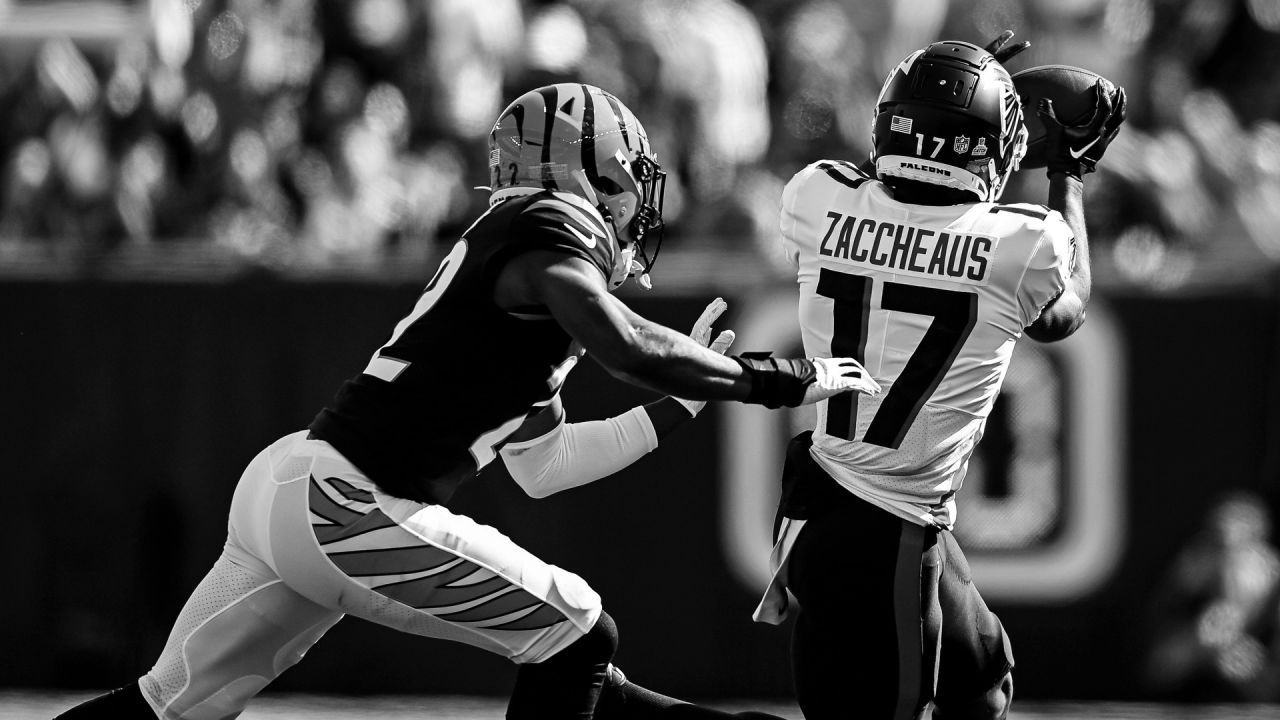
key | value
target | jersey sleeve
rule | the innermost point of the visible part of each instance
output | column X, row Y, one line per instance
column 787, row 221
column 565, row 223
column 802, row 197
column 1048, row 268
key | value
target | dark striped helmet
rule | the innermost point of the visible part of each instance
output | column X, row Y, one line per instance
column 580, row 139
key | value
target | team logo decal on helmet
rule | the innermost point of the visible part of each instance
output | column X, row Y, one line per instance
column 579, row 139
column 949, row 115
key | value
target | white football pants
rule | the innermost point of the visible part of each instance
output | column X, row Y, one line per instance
column 311, row 539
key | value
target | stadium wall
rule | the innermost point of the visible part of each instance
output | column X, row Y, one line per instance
column 131, row 408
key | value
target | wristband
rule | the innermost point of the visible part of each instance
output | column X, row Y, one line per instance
column 774, row 382
column 1074, row 170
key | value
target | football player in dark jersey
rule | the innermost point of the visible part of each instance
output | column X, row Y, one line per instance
column 350, row 515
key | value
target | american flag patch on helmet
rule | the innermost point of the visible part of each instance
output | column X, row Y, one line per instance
column 900, row 124
column 493, row 158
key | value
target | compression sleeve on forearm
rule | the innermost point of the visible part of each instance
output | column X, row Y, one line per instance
column 574, row 454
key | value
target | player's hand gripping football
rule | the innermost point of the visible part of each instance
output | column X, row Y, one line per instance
column 1076, row 149
column 838, row 375
column 701, row 333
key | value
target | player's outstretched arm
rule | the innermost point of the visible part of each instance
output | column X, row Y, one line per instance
column 546, row 454
column 650, row 355
column 631, row 347
column 1072, row 152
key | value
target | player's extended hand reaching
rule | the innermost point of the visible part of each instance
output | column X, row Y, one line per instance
column 1076, row 149
column 792, row 382
column 837, row 375
column 802, row 382
column 701, row 333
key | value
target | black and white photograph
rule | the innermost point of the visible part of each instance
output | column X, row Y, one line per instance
column 640, row 359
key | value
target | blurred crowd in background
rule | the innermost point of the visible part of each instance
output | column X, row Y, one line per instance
column 323, row 133
column 349, row 136
column 1214, row 624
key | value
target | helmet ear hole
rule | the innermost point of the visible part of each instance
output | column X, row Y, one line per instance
column 608, row 186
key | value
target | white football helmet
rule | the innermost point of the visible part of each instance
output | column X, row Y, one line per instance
column 580, row 139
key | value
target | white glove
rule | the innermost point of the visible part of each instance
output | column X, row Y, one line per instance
column 837, row 375
column 701, row 334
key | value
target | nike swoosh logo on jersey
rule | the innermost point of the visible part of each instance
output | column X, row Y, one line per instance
column 1076, row 155
column 588, row 240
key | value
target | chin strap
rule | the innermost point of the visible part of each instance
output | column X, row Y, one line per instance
column 643, row 267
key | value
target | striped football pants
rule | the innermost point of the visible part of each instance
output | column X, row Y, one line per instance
column 310, row 539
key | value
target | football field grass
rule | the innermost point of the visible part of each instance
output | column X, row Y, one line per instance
column 27, row 705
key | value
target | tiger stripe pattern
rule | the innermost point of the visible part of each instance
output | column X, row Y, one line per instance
column 530, row 140
column 371, row 549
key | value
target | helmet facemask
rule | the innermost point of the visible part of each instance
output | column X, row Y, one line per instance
column 635, row 212
column 647, row 227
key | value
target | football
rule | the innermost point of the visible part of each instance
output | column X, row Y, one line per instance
column 1070, row 89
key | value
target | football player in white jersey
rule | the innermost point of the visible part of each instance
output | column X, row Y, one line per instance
column 350, row 515
column 916, row 270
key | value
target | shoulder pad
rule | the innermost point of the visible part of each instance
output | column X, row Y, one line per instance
column 840, row 171
column 568, row 222
column 571, row 208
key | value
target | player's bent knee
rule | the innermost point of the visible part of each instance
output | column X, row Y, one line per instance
column 567, row 683
column 990, row 705
column 598, row 645
column 999, row 698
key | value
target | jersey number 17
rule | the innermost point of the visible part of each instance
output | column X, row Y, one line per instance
column 954, row 312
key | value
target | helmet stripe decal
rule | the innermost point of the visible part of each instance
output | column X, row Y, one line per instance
column 621, row 118
column 589, row 136
column 550, row 98
column 518, row 113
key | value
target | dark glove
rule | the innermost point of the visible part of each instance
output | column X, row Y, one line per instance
column 1076, row 149
column 1004, row 54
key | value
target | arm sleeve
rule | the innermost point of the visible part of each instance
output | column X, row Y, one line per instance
column 574, row 454
column 1047, row 269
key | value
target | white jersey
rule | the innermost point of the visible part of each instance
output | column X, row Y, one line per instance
column 931, row 299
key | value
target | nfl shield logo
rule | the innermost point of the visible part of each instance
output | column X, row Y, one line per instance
column 961, row 144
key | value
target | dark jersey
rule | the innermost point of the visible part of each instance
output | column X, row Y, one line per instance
column 459, row 374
